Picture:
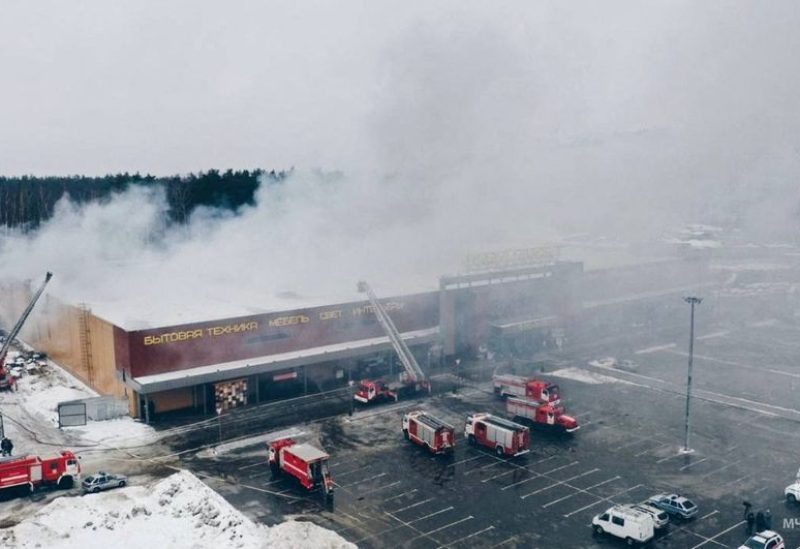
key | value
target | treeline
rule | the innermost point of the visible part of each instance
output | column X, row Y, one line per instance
column 27, row 201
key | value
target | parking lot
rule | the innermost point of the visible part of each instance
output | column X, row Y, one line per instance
column 392, row 493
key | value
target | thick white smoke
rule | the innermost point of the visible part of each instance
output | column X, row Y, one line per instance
column 458, row 127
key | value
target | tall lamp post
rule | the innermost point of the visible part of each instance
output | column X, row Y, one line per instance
column 692, row 301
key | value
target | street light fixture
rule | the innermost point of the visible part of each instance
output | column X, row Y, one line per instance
column 691, row 301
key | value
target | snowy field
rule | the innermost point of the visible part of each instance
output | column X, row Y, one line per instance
column 176, row 512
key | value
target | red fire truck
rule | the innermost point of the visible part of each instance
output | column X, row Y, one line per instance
column 374, row 391
column 33, row 472
column 306, row 463
column 505, row 437
column 424, row 429
column 506, row 385
column 541, row 414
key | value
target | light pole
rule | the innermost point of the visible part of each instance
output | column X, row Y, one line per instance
column 692, row 301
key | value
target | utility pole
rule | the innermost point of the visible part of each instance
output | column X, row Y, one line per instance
column 692, row 301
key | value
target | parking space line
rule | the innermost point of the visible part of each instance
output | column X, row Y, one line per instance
column 662, row 460
column 711, row 539
column 731, row 464
column 465, row 538
column 467, row 460
column 536, row 475
column 399, row 495
column 660, row 446
column 559, row 483
column 412, row 505
column 711, row 514
column 504, row 542
column 439, row 512
column 514, row 469
column 559, row 468
column 395, row 483
column 693, row 463
column 339, row 474
column 610, row 498
column 493, row 464
column 363, row 480
column 465, row 519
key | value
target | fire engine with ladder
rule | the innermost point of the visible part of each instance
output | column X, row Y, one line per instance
column 541, row 414
column 7, row 381
column 434, row 434
column 505, row 437
column 306, row 463
column 508, row 385
column 413, row 378
column 32, row 472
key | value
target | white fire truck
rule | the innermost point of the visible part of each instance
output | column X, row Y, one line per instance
column 434, row 434
column 541, row 414
column 505, row 437
column 506, row 385
column 32, row 472
column 306, row 463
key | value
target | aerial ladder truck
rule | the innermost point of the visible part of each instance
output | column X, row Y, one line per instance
column 412, row 378
column 7, row 381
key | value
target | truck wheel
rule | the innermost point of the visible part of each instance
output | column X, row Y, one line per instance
column 405, row 433
column 471, row 440
column 65, row 483
column 791, row 498
column 630, row 541
column 499, row 451
column 599, row 530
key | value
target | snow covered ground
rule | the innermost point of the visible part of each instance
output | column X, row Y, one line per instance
column 176, row 512
column 585, row 376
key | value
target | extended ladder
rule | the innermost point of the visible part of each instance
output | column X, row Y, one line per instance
column 18, row 326
column 413, row 370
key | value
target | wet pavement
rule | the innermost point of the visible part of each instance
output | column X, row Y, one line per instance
column 391, row 493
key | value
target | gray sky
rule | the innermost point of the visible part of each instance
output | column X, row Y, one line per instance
column 460, row 126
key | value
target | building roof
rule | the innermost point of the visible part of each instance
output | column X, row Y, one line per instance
column 272, row 363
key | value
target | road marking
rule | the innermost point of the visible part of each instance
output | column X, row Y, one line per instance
column 395, row 483
column 512, row 538
column 659, row 447
column 363, row 480
column 656, row 348
column 467, row 460
column 711, row 539
column 662, row 460
column 605, row 482
column 399, row 495
column 412, row 505
column 723, row 333
column 465, row 519
column 481, row 468
column 559, row 468
column 472, row 535
column 711, row 514
column 692, row 464
column 610, row 499
column 559, row 483
column 719, row 469
column 439, row 512
column 537, row 475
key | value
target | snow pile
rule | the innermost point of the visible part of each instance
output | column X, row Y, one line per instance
column 177, row 512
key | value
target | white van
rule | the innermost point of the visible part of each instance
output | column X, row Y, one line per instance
column 626, row 523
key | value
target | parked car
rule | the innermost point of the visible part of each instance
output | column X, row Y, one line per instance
column 103, row 481
column 660, row 518
column 674, row 504
column 764, row 540
column 625, row 523
column 792, row 492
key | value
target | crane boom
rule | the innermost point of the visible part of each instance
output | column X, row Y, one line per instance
column 18, row 326
column 410, row 364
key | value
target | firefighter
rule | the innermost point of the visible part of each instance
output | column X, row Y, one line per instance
column 6, row 446
column 761, row 523
column 751, row 519
column 767, row 520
